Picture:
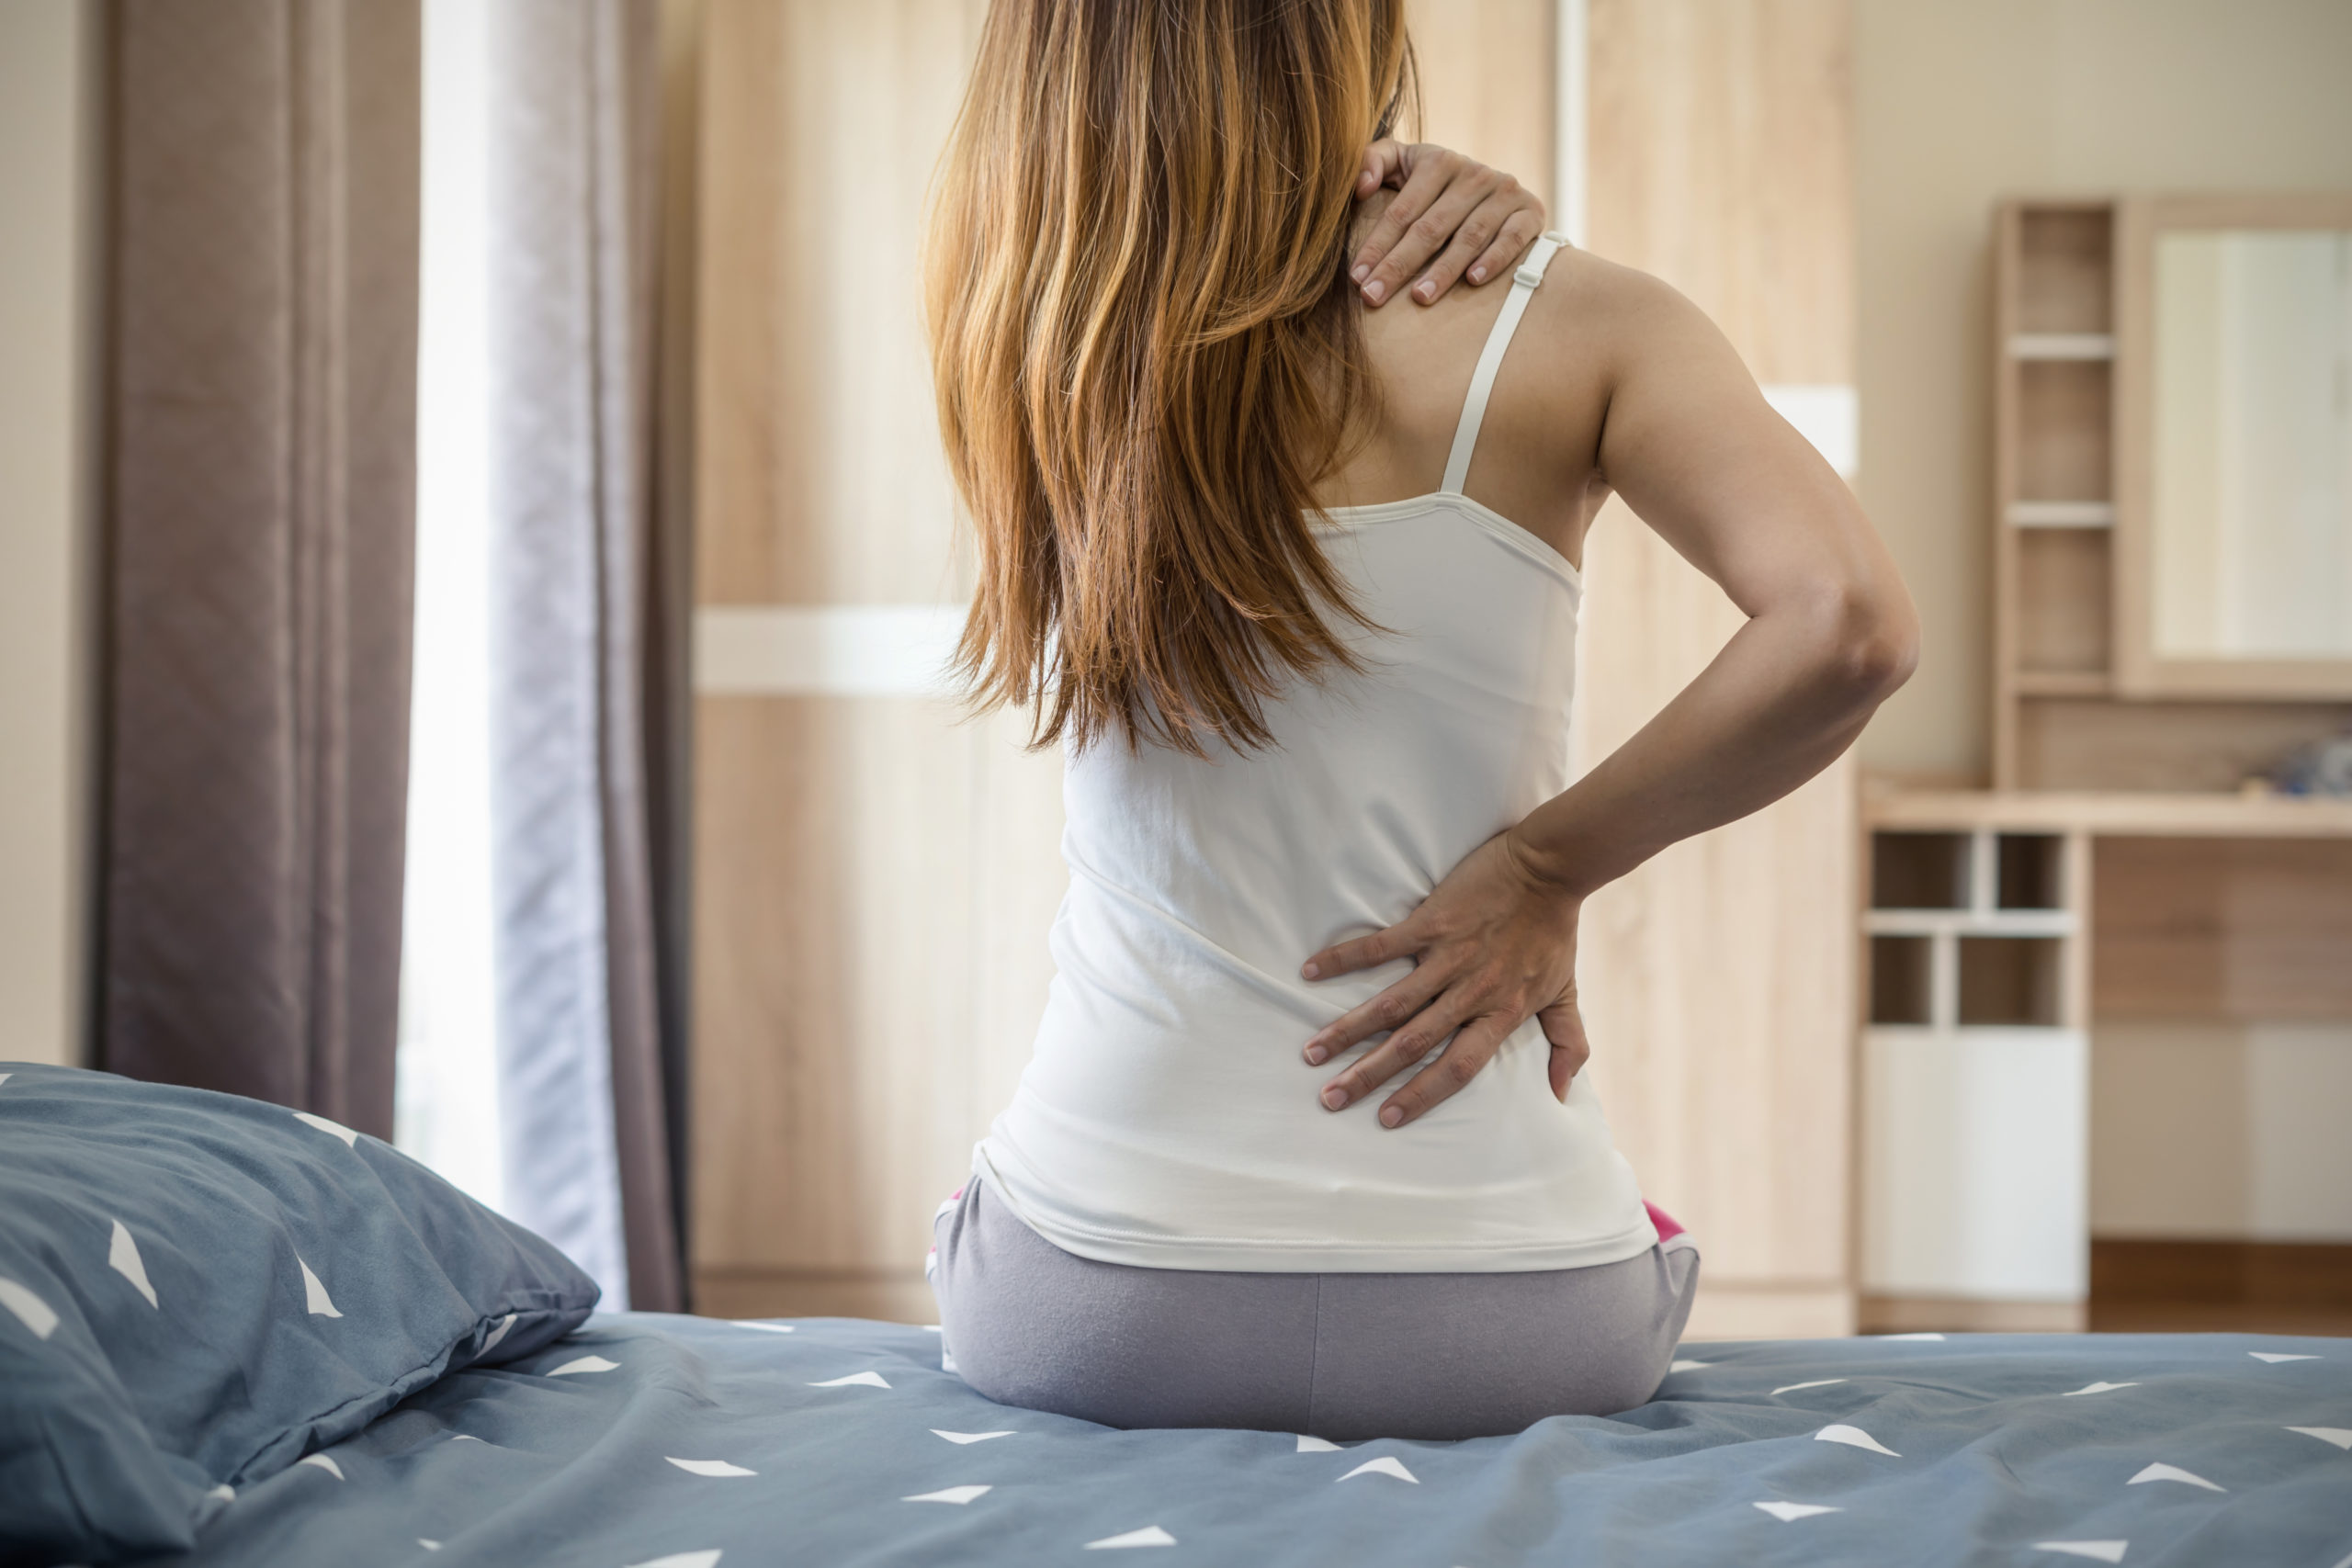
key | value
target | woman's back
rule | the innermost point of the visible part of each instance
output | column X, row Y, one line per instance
column 1167, row 1119
column 1318, row 794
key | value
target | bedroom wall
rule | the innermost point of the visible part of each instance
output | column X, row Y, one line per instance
column 1959, row 105
column 45, row 162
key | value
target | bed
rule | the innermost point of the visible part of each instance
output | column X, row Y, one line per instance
column 233, row 1333
column 692, row 1443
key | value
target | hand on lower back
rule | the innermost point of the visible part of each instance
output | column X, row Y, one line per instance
column 1493, row 945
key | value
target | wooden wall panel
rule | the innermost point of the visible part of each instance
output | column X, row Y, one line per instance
column 1487, row 70
column 875, row 885
column 1722, row 160
column 874, row 877
column 820, row 479
column 1719, row 980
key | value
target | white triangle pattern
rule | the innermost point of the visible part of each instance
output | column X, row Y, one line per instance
column 36, row 1313
column 490, row 1342
column 2340, row 1436
column 1150, row 1535
column 1384, row 1465
column 350, row 1138
column 226, row 1493
column 122, row 1256
column 6, row 1076
column 314, row 1295
column 1784, row 1512
column 763, row 1327
column 2173, row 1472
column 1854, row 1436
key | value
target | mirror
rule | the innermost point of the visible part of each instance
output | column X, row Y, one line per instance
column 2250, row 497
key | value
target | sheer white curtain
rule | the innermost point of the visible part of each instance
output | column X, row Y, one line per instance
column 546, row 1056
column 448, row 1099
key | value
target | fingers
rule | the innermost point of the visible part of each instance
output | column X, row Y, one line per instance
column 1465, row 220
column 1411, row 231
column 1510, row 242
column 1399, row 941
column 1564, row 1027
column 1472, row 1049
column 1470, row 244
column 1424, row 1033
column 1427, row 235
column 1384, row 1011
column 1383, row 161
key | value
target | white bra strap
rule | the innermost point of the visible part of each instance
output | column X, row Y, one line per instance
column 1482, row 381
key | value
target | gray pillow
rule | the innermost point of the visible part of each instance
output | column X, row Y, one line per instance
column 197, row 1290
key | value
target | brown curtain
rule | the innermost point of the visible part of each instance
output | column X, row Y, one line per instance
column 262, row 308
column 586, row 645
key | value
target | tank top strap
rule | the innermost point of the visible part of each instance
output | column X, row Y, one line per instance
column 1482, row 381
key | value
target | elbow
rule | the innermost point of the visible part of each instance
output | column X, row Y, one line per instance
column 1871, row 645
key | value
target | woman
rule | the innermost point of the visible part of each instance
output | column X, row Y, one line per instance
column 1303, row 1146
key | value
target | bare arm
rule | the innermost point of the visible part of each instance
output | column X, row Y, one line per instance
column 1693, row 447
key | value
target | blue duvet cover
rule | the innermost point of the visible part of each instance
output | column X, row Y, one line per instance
column 645, row 1441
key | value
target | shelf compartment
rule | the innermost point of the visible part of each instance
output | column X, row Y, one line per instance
column 2062, row 600
column 2009, row 980
column 1902, row 979
column 2062, row 445
column 2030, row 870
column 2067, row 271
column 1920, row 871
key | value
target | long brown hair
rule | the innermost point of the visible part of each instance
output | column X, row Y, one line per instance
column 1145, row 353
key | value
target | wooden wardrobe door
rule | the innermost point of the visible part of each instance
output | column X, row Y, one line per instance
column 874, row 879
column 873, row 875
column 1719, row 980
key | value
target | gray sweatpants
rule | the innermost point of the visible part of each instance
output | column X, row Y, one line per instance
column 1337, row 1356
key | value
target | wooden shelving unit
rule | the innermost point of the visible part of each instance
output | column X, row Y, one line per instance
column 2118, row 871
column 2001, row 928
column 2065, row 369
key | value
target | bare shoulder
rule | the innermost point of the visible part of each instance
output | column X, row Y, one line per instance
column 1613, row 317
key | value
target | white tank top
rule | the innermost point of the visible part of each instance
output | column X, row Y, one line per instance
column 1166, row 1119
